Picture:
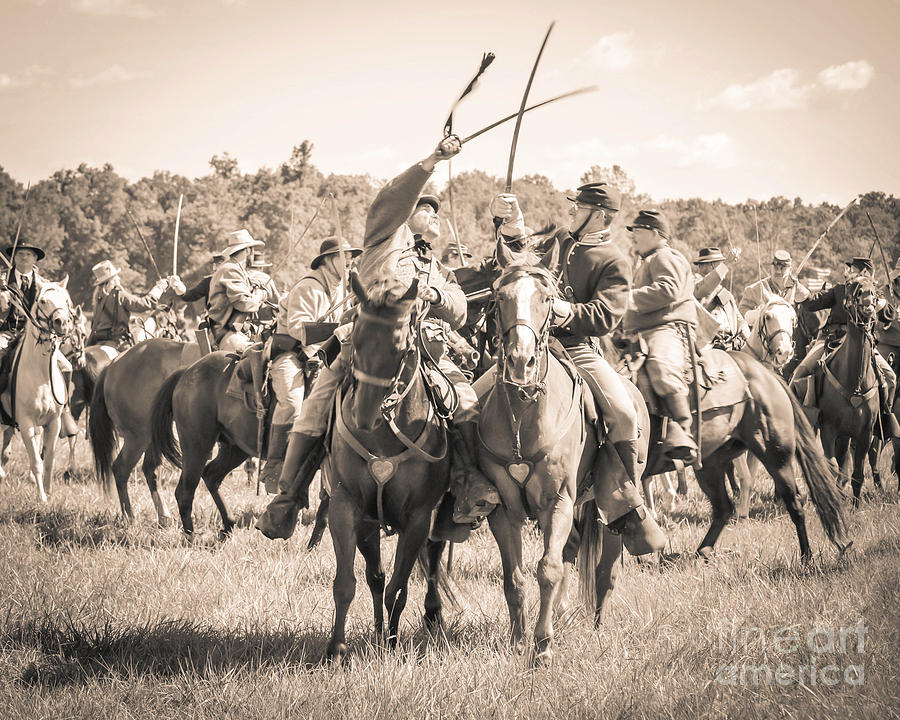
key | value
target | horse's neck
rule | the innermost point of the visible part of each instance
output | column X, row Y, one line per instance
column 853, row 361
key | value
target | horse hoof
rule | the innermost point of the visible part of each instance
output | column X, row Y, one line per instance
column 544, row 658
column 165, row 521
column 705, row 553
column 67, row 476
column 338, row 653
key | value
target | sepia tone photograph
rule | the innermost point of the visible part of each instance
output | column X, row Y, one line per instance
column 395, row 360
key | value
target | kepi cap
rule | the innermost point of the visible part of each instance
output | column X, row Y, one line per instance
column 781, row 257
column 652, row 220
column 598, row 194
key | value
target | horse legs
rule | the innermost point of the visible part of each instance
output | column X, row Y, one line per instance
column 226, row 460
column 369, row 543
column 556, row 522
column 433, row 619
column 508, row 535
column 841, row 449
column 193, row 459
column 860, row 451
column 410, row 541
column 163, row 517
column 874, row 454
column 48, row 450
column 712, row 481
column 321, row 521
column 343, row 528
column 741, row 467
column 8, row 432
column 30, row 438
column 607, row 573
column 129, row 454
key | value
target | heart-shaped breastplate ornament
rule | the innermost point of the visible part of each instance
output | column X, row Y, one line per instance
column 382, row 469
column 519, row 471
column 856, row 400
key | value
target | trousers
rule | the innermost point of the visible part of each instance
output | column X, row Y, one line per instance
column 289, row 386
column 667, row 358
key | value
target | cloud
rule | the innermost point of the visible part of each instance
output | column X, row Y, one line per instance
column 119, row 8
column 716, row 150
column 112, row 74
column 783, row 90
column 26, row 77
column 854, row 75
column 612, row 52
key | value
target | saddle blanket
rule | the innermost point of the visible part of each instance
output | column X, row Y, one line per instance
column 722, row 384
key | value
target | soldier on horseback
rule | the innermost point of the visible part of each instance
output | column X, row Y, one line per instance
column 835, row 298
column 307, row 316
column 718, row 301
column 594, row 280
column 233, row 294
column 401, row 226
column 781, row 282
column 113, row 305
column 662, row 313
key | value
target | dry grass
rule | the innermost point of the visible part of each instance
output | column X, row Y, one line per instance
column 105, row 620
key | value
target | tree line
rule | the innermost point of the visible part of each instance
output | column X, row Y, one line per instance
column 83, row 215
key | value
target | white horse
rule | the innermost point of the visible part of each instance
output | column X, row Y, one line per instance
column 771, row 340
column 37, row 391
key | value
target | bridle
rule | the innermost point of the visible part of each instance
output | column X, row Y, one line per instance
column 409, row 352
column 762, row 330
column 854, row 290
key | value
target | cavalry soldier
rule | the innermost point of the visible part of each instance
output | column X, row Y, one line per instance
column 662, row 312
column 803, row 381
column 307, row 316
column 595, row 277
column 200, row 291
column 888, row 333
column 400, row 227
column 113, row 305
column 718, row 301
column 256, row 269
column 451, row 259
column 781, row 282
column 233, row 296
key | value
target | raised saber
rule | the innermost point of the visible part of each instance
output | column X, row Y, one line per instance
column 146, row 246
column 342, row 260
column 296, row 242
column 887, row 269
column 515, row 137
column 15, row 245
column 571, row 93
column 825, row 232
column 175, row 243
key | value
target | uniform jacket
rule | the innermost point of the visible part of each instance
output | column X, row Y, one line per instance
column 15, row 320
column 308, row 301
column 595, row 277
column 230, row 295
column 113, row 311
column 663, row 292
column 722, row 305
column 200, row 291
column 391, row 250
column 754, row 295
column 888, row 332
column 833, row 298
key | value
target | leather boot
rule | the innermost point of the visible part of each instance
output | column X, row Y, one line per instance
column 304, row 453
column 627, row 451
column 475, row 496
column 271, row 472
column 640, row 533
column 679, row 443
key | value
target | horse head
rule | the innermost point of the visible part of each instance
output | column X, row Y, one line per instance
column 861, row 301
column 774, row 325
column 383, row 338
column 52, row 312
column 73, row 345
column 523, row 303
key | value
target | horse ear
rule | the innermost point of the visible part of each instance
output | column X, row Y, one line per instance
column 551, row 257
column 357, row 287
column 505, row 256
column 65, row 281
column 78, row 312
column 412, row 293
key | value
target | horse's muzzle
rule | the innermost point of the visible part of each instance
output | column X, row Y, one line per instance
column 521, row 355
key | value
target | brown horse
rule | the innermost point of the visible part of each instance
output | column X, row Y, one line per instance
column 388, row 463
column 121, row 408
column 538, row 449
column 849, row 401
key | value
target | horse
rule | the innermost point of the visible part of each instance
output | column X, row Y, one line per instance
column 388, row 462
column 37, row 392
column 772, row 330
column 849, row 400
column 537, row 448
column 121, row 407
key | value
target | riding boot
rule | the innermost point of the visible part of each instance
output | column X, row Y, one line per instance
column 620, row 504
column 271, row 472
column 679, row 443
column 475, row 496
column 304, row 453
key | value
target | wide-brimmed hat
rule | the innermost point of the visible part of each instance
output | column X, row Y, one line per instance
column 652, row 220
column 258, row 260
column 863, row 264
column 8, row 250
column 103, row 271
column 598, row 194
column 237, row 241
column 709, row 255
column 782, row 257
column 432, row 200
column 330, row 246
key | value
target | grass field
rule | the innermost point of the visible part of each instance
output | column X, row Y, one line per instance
column 104, row 620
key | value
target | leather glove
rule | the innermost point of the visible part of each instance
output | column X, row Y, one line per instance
column 5, row 300
column 448, row 147
column 158, row 289
column 562, row 311
column 429, row 294
column 176, row 285
column 506, row 207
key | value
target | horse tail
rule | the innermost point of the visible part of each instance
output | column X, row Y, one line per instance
column 819, row 474
column 589, row 553
column 163, row 442
column 102, row 434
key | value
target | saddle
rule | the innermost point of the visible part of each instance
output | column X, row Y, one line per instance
column 250, row 380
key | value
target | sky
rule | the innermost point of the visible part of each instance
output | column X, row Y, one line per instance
column 735, row 99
